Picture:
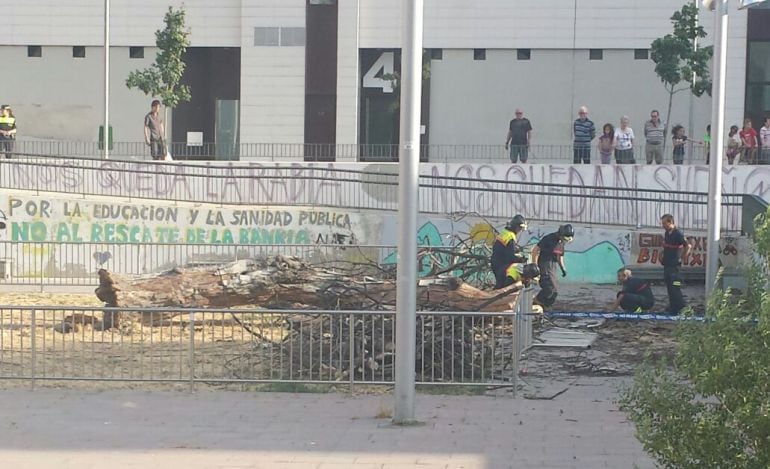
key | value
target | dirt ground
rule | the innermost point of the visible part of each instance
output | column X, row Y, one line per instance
column 226, row 347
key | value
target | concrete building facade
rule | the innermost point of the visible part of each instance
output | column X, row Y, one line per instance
column 310, row 71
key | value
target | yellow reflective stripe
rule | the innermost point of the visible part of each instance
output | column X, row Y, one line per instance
column 513, row 272
column 676, row 284
column 7, row 120
column 506, row 237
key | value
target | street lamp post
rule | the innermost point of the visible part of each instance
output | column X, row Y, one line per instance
column 106, row 132
column 717, row 144
column 408, row 186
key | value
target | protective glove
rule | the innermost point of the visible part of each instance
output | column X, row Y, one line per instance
column 563, row 271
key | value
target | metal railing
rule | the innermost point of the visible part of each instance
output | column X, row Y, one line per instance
column 292, row 152
column 258, row 345
column 368, row 189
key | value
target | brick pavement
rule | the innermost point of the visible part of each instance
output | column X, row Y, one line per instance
column 68, row 428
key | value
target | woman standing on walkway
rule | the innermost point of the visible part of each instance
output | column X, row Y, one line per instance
column 7, row 130
column 624, row 143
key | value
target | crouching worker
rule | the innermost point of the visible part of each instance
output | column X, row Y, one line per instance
column 520, row 275
column 636, row 295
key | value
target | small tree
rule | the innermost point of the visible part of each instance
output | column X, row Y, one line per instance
column 677, row 60
column 395, row 79
column 162, row 78
column 713, row 408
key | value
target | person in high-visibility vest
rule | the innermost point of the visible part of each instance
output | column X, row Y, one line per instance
column 7, row 130
column 521, row 275
column 506, row 250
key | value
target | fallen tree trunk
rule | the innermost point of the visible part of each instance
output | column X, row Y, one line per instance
column 286, row 283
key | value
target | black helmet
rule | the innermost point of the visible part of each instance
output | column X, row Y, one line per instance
column 517, row 222
column 530, row 271
column 566, row 232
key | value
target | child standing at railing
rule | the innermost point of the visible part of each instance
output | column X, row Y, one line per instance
column 733, row 145
column 606, row 143
column 679, row 139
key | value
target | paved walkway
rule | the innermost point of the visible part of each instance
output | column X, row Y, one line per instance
column 68, row 428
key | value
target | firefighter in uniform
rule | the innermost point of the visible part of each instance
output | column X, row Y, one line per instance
column 636, row 295
column 520, row 274
column 549, row 255
column 506, row 251
column 7, row 130
column 675, row 250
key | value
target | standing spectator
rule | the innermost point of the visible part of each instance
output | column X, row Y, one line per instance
column 624, row 143
column 154, row 132
column 707, row 143
column 679, row 139
column 675, row 251
column 7, row 130
column 749, row 140
column 764, row 139
column 519, row 137
column 734, row 145
column 654, row 134
column 583, row 131
column 606, row 143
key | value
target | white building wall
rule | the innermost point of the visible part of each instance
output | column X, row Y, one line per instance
column 347, row 71
column 473, row 100
column 272, row 78
column 272, row 81
column 558, row 24
column 470, row 98
column 81, row 22
column 60, row 97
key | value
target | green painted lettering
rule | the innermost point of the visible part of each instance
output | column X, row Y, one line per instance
column 96, row 233
column 20, row 232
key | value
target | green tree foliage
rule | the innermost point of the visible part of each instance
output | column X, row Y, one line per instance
column 162, row 78
column 712, row 407
column 678, row 63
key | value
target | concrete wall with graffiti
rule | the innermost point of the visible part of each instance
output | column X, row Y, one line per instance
column 489, row 190
column 55, row 236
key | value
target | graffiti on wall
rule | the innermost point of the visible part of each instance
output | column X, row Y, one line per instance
column 648, row 251
column 594, row 256
column 490, row 184
column 39, row 219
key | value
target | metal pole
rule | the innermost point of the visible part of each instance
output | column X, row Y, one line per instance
column 106, row 134
column 692, row 95
column 717, row 143
column 408, row 184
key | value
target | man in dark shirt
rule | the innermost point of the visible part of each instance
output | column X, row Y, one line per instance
column 583, row 132
column 549, row 255
column 154, row 132
column 506, row 251
column 519, row 137
column 675, row 250
column 636, row 295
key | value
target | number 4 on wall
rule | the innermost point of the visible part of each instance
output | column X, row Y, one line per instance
column 383, row 66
